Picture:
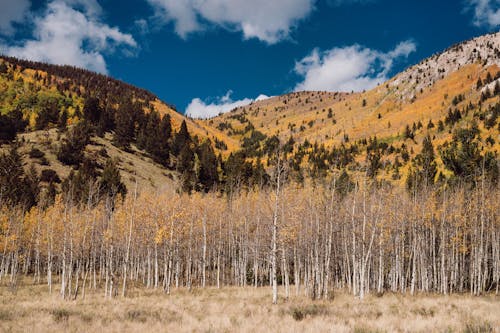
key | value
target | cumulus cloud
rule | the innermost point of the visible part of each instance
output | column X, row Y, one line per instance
column 66, row 35
column 486, row 12
column 200, row 109
column 351, row 68
column 89, row 7
column 268, row 21
column 12, row 11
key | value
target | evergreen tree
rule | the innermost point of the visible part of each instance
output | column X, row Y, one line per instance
column 207, row 175
column 106, row 121
column 48, row 113
column 17, row 187
column 479, row 84
column 81, row 184
column 163, row 140
column 149, row 131
column 125, row 124
column 3, row 68
column 373, row 158
column 344, row 184
column 7, row 129
column 463, row 156
column 71, row 150
column 111, row 183
column 186, row 169
column 11, row 175
column 92, row 109
column 424, row 168
column 63, row 121
column 182, row 138
column 408, row 134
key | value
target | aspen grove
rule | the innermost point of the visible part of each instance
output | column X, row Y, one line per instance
column 310, row 239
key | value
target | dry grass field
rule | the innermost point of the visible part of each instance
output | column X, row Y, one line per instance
column 32, row 309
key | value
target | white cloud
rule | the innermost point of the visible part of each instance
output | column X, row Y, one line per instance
column 486, row 12
column 268, row 21
column 352, row 68
column 200, row 109
column 89, row 7
column 65, row 35
column 12, row 11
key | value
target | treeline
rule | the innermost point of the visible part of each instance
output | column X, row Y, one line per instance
column 76, row 80
column 311, row 240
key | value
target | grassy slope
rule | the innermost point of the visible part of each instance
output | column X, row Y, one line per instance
column 274, row 116
column 134, row 166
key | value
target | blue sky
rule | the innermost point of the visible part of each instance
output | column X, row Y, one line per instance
column 208, row 56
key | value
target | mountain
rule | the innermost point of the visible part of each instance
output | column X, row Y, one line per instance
column 42, row 103
column 465, row 77
column 437, row 121
column 422, row 92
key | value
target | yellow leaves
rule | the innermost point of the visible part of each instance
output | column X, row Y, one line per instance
column 161, row 235
column 108, row 236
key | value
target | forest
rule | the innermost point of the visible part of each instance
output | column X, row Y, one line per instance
column 312, row 240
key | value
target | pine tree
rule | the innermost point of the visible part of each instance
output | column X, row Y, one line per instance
column 92, row 110
column 3, row 68
column 125, row 124
column 479, row 84
column 182, row 138
column 424, row 168
column 11, row 175
column 148, row 133
column 48, row 114
column 62, row 124
column 163, row 143
column 207, row 175
column 464, row 157
column 17, row 187
column 111, row 183
column 186, row 168
column 71, row 150
column 106, row 121
column 7, row 130
column 78, row 186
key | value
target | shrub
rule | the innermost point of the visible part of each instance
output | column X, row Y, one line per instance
column 36, row 153
column 49, row 176
column 60, row 315
column 300, row 312
column 478, row 327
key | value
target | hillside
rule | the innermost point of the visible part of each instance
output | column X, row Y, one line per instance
column 451, row 98
column 422, row 92
column 420, row 97
column 43, row 103
column 22, row 79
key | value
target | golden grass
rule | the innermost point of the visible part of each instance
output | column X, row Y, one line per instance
column 134, row 165
column 243, row 310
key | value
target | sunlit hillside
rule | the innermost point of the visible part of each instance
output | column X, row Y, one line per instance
column 46, row 100
column 421, row 95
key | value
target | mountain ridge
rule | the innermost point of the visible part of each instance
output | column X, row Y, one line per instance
column 455, row 90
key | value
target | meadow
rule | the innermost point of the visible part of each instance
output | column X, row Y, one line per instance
column 243, row 309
